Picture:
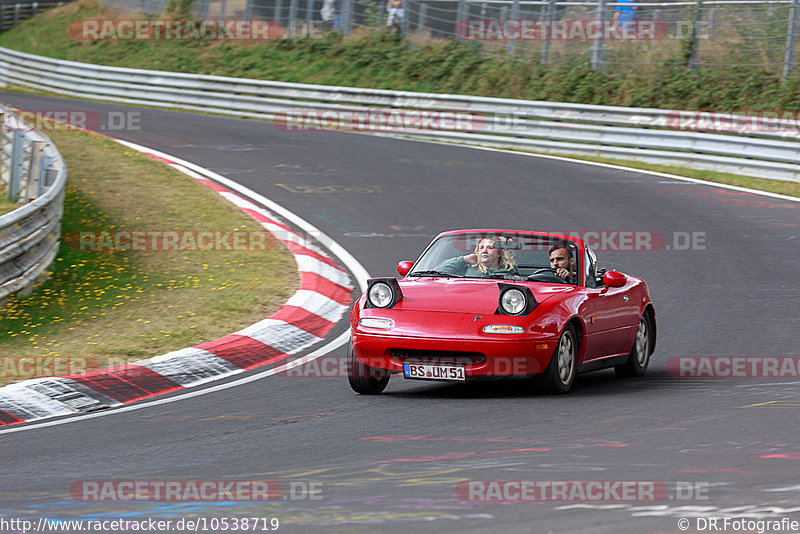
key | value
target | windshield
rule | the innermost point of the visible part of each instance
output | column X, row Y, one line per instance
column 494, row 255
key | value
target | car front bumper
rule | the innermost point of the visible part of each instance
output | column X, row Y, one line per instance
column 505, row 355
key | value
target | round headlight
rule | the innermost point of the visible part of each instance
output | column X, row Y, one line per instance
column 513, row 301
column 380, row 295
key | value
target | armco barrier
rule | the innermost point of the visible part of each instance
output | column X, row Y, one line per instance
column 29, row 235
column 618, row 132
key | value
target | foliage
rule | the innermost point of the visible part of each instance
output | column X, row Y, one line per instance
column 377, row 59
column 181, row 9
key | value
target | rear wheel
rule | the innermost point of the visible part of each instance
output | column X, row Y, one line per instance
column 639, row 358
column 560, row 372
column 364, row 379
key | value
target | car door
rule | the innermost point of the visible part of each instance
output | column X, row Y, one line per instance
column 609, row 328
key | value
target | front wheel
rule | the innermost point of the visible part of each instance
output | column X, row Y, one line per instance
column 364, row 379
column 560, row 372
column 639, row 358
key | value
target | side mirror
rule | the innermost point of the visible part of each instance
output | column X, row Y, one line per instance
column 614, row 279
column 403, row 267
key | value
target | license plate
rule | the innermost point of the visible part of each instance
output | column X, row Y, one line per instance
column 433, row 372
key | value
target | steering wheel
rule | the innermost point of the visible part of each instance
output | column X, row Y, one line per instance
column 545, row 275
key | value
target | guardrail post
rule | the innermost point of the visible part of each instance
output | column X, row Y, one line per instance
column 712, row 23
column 791, row 37
column 16, row 14
column 5, row 156
column 25, row 174
column 309, row 16
column 512, row 44
column 15, row 165
column 46, row 174
column 550, row 16
column 698, row 13
column 35, row 170
column 2, row 16
column 423, row 18
column 597, row 45
column 462, row 11
column 292, row 17
column 33, row 9
column 405, row 23
column 381, row 14
column 347, row 17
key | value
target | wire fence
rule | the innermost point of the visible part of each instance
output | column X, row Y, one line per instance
column 608, row 34
column 12, row 13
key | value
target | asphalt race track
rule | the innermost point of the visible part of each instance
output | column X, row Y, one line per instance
column 391, row 463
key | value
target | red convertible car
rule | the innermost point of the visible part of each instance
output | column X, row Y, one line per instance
column 488, row 303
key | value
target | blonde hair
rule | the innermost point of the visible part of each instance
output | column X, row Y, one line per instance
column 505, row 258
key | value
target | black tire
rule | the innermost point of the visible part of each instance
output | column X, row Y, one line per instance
column 560, row 372
column 364, row 379
column 639, row 358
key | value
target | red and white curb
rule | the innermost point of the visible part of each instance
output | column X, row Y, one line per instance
column 304, row 320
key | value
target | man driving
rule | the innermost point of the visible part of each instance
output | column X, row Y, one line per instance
column 563, row 262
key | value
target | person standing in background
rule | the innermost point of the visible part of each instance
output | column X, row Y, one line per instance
column 624, row 14
column 329, row 14
column 396, row 14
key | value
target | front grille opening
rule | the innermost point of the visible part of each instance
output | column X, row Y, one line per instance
column 438, row 357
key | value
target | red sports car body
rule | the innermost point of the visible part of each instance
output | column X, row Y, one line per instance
column 447, row 319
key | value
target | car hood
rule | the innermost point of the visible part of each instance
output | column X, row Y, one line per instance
column 464, row 295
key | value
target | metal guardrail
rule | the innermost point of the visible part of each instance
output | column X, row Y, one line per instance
column 627, row 133
column 12, row 13
column 29, row 236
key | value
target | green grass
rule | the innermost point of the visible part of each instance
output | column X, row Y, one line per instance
column 5, row 205
column 115, row 306
column 381, row 60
